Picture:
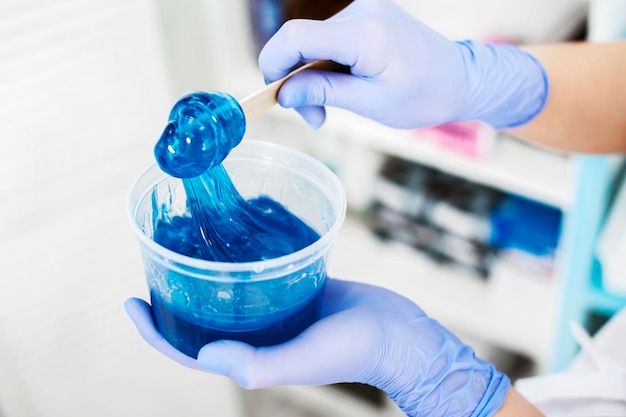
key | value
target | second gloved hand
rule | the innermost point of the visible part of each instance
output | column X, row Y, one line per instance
column 366, row 334
column 403, row 74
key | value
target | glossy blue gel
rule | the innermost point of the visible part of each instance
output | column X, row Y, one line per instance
column 203, row 127
column 224, row 227
column 221, row 226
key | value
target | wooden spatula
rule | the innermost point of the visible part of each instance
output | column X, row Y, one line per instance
column 265, row 98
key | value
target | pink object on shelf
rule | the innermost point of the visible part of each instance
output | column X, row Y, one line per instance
column 474, row 139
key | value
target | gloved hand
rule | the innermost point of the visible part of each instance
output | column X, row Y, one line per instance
column 366, row 334
column 403, row 74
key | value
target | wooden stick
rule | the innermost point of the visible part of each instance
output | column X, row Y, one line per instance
column 267, row 97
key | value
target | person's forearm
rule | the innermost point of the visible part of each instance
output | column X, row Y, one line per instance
column 516, row 405
column 586, row 106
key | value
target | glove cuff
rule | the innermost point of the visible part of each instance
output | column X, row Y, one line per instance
column 494, row 397
column 506, row 86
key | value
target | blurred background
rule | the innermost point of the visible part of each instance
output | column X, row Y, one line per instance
column 488, row 234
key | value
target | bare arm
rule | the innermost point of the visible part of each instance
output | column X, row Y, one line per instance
column 516, row 405
column 586, row 107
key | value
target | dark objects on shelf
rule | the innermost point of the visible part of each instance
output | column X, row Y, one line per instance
column 453, row 220
column 267, row 16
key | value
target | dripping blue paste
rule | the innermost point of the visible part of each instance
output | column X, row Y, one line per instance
column 220, row 225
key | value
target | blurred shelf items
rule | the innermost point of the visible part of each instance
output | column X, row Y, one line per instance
column 266, row 16
column 460, row 222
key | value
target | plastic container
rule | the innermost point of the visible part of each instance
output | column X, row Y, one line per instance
column 262, row 303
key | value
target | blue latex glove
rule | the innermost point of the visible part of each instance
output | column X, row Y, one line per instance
column 366, row 334
column 403, row 74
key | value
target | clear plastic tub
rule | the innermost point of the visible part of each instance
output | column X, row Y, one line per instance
column 262, row 303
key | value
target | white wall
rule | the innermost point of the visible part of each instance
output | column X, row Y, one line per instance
column 84, row 96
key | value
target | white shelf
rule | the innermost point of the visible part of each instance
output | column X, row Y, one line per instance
column 458, row 300
column 514, row 167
